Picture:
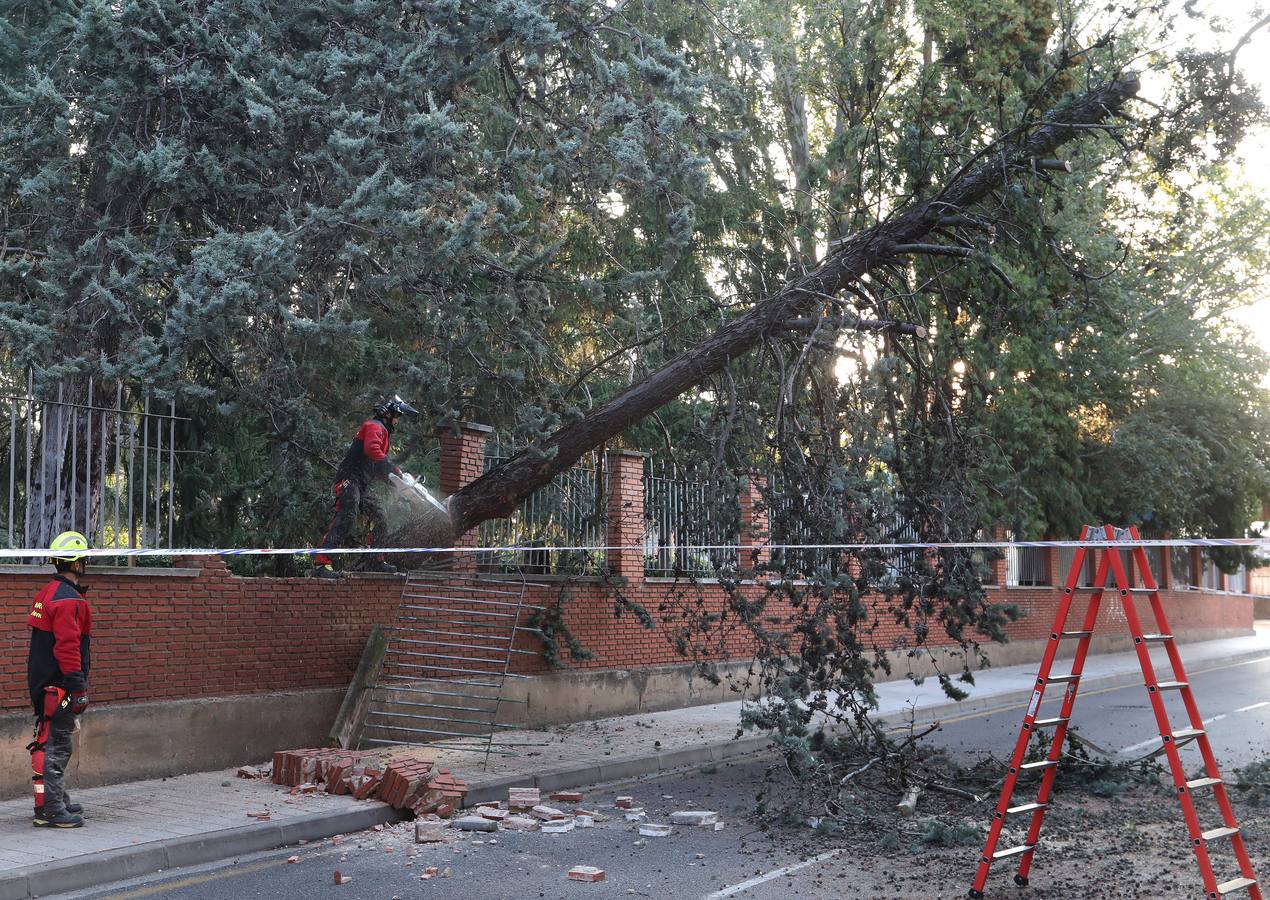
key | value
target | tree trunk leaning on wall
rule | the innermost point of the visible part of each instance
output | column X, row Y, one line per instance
column 497, row 493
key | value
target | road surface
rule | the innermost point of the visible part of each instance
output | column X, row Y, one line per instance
column 740, row 861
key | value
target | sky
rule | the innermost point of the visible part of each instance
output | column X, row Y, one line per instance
column 1254, row 61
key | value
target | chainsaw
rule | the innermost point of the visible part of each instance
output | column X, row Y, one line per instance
column 411, row 489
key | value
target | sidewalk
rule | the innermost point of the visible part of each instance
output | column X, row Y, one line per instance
column 142, row 827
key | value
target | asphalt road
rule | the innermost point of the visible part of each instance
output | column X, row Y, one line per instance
column 739, row 861
column 1234, row 700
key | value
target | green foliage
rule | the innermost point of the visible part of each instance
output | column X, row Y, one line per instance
column 1253, row 782
column 937, row 833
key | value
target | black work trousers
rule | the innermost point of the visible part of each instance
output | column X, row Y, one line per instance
column 352, row 501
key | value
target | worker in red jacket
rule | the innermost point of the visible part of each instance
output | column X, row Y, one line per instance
column 57, row 674
column 366, row 460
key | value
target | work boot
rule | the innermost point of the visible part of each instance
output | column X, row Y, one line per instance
column 323, row 572
column 63, row 819
column 74, row 809
column 378, row 567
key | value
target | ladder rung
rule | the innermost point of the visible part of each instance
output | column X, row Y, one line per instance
column 1214, row 834
column 1183, row 735
column 1156, row 638
column 458, row 612
column 446, row 680
column 1041, row 764
column 478, row 600
column 1235, row 884
column 1171, row 685
column 1079, row 634
column 429, row 654
column 1013, row 851
column 1063, row 679
column 1046, row 723
column 1025, row 808
column 1203, row 782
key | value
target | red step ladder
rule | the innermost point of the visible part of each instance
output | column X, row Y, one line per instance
column 1111, row 563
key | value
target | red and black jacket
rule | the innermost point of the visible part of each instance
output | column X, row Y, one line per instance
column 367, row 457
column 61, row 628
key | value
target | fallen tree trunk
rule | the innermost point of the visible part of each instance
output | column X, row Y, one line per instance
column 497, row 493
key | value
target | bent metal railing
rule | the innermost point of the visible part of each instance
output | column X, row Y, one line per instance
column 88, row 460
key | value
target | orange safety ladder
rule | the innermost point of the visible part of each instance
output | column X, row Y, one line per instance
column 1110, row 562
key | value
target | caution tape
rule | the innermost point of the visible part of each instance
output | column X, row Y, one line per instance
column 27, row 553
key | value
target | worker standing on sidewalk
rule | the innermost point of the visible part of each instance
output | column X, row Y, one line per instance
column 57, row 674
column 366, row 460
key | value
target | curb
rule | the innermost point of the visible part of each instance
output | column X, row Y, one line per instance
column 106, row 867
column 625, row 768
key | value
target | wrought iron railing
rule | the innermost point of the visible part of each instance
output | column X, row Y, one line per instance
column 790, row 525
column 685, row 512
column 1025, row 566
column 570, row 512
column 1067, row 555
column 86, row 460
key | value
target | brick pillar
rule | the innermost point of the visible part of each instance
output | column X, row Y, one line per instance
column 755, row 525
column 462, row 462
column 1053, row 562
column 626, row 514
column 999, row 564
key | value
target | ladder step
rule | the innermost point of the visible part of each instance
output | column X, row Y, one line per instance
column 1077, row 634
column 1156, row 638
column 1215, row 834
column 1235, row 884
column 1063, row 679
column 1203, row 782
column 1185, row 735
column 1013, row 851
column 1046, row 723
column 1042, row 764
column 1171, row 685
column 1025, row 808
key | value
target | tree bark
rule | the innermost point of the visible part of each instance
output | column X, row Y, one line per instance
column 497, row 493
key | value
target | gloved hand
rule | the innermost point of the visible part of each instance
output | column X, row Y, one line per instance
column 75, row 683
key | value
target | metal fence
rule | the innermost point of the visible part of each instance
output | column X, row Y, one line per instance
column 1180, row 567
column 90, row 462
column 1025, row 566
column 1067, row 555
column 788, row 525
column 684, row 511
column 569, row 512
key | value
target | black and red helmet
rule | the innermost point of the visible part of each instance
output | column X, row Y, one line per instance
column 394, row 406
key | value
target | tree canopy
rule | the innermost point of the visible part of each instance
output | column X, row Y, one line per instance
column 512, row 211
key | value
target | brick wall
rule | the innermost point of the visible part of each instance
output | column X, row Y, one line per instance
column 202, row 632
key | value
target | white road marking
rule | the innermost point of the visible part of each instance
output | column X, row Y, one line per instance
column 1142, row 745
column 771, row 876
